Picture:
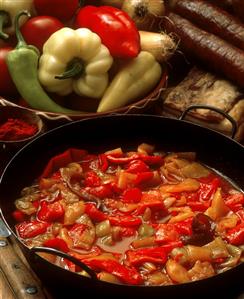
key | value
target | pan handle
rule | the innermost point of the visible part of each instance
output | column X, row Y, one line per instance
column 226, row 115
column 59, row 253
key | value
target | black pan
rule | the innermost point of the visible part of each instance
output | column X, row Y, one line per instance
column 103, row 133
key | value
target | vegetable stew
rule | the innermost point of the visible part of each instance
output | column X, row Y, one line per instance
column 141, row 217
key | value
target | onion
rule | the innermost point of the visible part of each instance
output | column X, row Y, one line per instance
column 145, row 13
column 160, row 45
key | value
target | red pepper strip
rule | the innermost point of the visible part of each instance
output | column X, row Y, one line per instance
column 236, row 235
column 19, row 216
column 136, row 166
column 198, row 206
column 152, row 160
column 207, row 190
column 166, row 233
column 71, row 155
column 116, row 29
column 235, row 201
column 125, row 221
column 152, row 255
column 94, row 213
column 92, row 179
column 122, row 160
column 152, row 201
column 184, row 227
column 240, row 214
column 143, row 177
column 57, row 243
column 102, row 191
column 126, row 275
column 132, row 195
column 103, row 162
column 50, row 212
column 31, row 229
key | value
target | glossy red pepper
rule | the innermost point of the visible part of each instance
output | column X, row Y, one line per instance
column 126, row 275
column 207, row 190
column 152, row 201
column 236, row 235
column 125, row 220
column 103, row 162
column 94, row 213
column 31, row 229
column 235, row 201
column 57, row 243
column 152, row 255
column 116, row 29
column 92, row 179
column 132, row 195
column 61, row 160
column 19, row 216
column 136, row 166
column 50, row 212
column 101, row 192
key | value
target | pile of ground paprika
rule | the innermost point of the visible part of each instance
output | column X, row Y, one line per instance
column 16, row 129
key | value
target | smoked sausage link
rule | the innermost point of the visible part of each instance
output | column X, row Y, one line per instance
column 212, row 19
column 215, row 52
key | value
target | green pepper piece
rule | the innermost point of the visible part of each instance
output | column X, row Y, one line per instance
column 23, row 65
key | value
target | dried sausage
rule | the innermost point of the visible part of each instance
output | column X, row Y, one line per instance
column 212, row 19
column 218, row 54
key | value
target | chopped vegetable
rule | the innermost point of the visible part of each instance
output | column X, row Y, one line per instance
column 110, row 212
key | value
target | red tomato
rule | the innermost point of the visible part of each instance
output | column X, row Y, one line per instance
column 64, row 10
column 7, row 86
column 37, row 30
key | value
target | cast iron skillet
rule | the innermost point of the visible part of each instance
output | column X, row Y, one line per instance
column 103, row 133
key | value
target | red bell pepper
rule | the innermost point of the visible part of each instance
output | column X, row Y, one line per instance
column 132, row 195
column 152, row 255
column 136, row 166
column 101, row 192
column 125, row 221
column 61, row 160
column 235, row 201
column 126, row 275
column 103, row 162
column 116, row 29
column 152, row 201
column 57, row 243
column 31, row 229
column 92, row 179
column 207, row 190
column 152, row 160
column 236, row 235
column 122, row 160
column 94, row 213
column 19, row 216
column 50, row 212
column 166, row 233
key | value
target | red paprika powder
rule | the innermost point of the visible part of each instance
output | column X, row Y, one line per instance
column 16, row 129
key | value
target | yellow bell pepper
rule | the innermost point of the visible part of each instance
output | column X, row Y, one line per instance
column 75, row 60
column 138, row 77
column 8, row 10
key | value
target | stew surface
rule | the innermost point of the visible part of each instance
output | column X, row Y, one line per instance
column 141, row 217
